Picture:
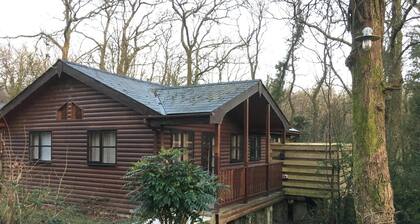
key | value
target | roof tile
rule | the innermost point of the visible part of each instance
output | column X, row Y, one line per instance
column 169, row 100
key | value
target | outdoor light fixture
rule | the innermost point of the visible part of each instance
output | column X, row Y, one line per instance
column 367, row 37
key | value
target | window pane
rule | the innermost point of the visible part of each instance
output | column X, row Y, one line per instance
column 108, row 155
column 34, row 139
column 46, row 153
column 45, row 139
column 35, row 152
column 258, row 156
column 188, row 140
column 252, row 147
column 236, row 148
column 108, row 138
column 233, row 141
column 94, row 139
column 94, row 155
column 232, row 154
column 176, row 140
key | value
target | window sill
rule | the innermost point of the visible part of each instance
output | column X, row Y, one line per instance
column 236, row 161
column 40, row 162
column 102, row 164
column 255, row 160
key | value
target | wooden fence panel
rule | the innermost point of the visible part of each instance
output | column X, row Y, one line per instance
column 312, row 169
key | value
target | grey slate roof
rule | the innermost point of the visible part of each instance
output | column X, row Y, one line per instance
column 201, row 98
column 169, row 100
column 140, row 91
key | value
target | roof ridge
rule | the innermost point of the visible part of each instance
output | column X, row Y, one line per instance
column 154, row 91
column 113, row 74
column 208, row 84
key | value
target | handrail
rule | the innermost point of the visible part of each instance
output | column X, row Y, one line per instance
column 234, row 177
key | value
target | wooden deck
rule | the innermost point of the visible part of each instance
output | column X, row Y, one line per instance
column 237, row 210
column 313, row 169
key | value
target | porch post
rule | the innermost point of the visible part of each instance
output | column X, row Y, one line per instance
column 283, row 137
column 217, row 136
column 268, row 146
column 246, row 144
column 217, row 149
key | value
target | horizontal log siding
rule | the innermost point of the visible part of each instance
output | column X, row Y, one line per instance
column 81, row 182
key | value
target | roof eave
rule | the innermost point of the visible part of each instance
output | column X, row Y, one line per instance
column 61, row 67
column 219, row 113
column 157, row 121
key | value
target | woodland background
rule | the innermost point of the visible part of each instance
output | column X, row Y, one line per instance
column 194, row 42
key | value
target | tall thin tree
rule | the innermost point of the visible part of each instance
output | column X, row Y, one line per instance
column 372, row 185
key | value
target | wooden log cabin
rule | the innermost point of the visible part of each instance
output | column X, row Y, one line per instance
column 81, row 128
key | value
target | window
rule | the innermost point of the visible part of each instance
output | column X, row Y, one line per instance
column 69, row 109
column 40, row 146
column 275, row 138
column 236, row 148
column 254, row 147
column 102, row 147
column 183, row 140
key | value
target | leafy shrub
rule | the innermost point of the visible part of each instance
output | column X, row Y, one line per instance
column 170, row 190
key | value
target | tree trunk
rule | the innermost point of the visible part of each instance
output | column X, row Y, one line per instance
column 373, row 194
column 394, row 95
column 292, row 85
column 123, row 53
column 102, row 53
column 66, row 45
column 315, row 118
column 189, row 68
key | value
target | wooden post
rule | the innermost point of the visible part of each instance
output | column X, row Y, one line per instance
column 217, row 149
column 268, row 146
column 246, row 145
column 217, row 164
column 283, row 137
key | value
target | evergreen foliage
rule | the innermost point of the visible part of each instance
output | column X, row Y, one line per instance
column 170, row 190
column 406, row 190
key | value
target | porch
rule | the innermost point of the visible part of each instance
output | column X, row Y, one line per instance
column 232, row 143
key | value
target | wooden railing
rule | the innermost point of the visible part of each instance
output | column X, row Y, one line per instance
column 275, row 178
column 234, row 181
column 239, row 188
column 257, row 180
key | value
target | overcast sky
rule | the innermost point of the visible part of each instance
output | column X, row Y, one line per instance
column 30, row 16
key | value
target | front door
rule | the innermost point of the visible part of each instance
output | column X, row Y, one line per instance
column 207, row 156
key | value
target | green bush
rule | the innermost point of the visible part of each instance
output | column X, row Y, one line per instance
column 170, row 190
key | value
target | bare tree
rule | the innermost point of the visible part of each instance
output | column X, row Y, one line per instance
column 299, row 13
column 18, row 68
column 134, row 36
column 106, row 19
column 74, row 13
column 197, row 20
column 399, row 17
column 171, row 62
column 253, row 39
